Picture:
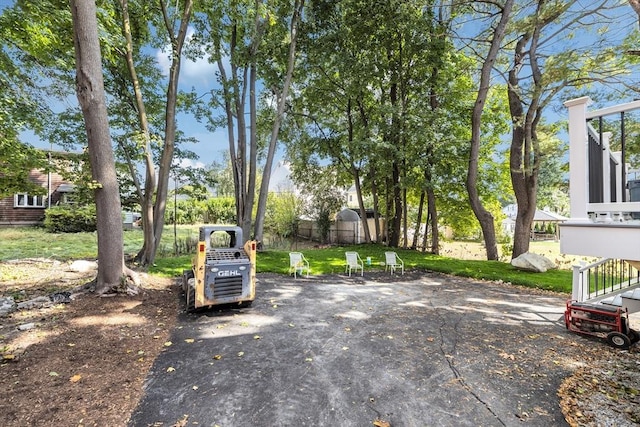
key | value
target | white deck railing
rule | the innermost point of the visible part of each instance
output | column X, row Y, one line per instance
column 602, row 278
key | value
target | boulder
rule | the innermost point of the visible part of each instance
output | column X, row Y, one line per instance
column 82, row 266
column 7, row 306
column 533, row 262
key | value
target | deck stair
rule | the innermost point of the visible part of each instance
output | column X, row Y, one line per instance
column 629, row 300
column 611, row 282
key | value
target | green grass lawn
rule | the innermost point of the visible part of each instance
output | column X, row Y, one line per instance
column 33, row 242
column 36, row 242
column 332, row 260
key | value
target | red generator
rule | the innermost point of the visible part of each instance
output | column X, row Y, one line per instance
column 602, row 321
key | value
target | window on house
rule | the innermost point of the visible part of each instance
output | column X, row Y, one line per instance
column 25, row 200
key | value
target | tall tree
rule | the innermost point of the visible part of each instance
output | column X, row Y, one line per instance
column 484, row 216
column 90, row 90
column 281, row 95
column 547, row 49
column 175, row 23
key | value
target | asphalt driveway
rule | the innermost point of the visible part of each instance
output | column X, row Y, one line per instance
column 416, row 350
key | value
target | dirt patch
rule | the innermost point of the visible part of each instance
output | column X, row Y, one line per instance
column 80, row 363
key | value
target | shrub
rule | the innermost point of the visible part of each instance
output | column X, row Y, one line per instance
column 70, row 219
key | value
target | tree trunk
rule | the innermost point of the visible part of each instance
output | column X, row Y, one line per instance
column 145, row 195
column 166, row 159
column 266, row 173
column 376, row 207
column 433, row 214
column 523, row 175
column 90, row 92
column 425, row 237
column 524, row 156
column 396, row 204
column 363, row 210
column 485, row 218
column 416, row 233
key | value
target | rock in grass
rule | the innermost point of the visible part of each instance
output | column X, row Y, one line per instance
column 533, row 262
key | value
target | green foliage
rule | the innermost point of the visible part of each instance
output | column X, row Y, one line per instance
column 283, row 214
column 185, row 212
column 66, row 219
column 220, row 210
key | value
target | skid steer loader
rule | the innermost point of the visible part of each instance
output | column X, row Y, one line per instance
column 222, row 271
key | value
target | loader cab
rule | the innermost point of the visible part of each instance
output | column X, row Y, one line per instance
column 220, row 239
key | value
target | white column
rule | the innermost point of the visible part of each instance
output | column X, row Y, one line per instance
column 578, row 161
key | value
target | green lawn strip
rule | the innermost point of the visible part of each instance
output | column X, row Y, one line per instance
column 32, row 242
column 332, row 260
column 36, row 242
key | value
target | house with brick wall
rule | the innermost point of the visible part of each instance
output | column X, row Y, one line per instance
column 24, row 209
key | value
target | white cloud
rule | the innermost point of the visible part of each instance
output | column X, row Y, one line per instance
column 188, row 163
column 192, row 73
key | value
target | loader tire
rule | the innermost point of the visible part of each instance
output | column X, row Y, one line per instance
column 245, row 304
column 189, row 288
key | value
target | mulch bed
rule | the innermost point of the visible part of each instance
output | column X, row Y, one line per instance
column 83, row 363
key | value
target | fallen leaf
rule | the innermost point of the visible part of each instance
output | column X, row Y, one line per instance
column 308, row 359
column 195, row 387
column 291, row 325
column 189, row 340
column 171, row 369
column 53, row 374
column 430, row 339
column 508, row 356
column 168, row 344
column 240, row 353
column 182, row 422
column 156, row 337
column 8, row 357
column 71, row 344
column 256, row 337
column 217, row 357
column 381, row 423
column 345, row 348
column 75, row 378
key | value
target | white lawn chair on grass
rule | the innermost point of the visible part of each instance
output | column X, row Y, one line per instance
column 393, row 262
column 354, row 263
column 298, row 264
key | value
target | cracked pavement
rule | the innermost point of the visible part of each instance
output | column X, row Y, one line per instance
column 413, row 350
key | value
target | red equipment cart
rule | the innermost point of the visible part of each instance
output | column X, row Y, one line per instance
column 602, row 321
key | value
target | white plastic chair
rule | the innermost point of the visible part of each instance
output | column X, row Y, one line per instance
column 393, row 262
column 354, row 262
column 298, row 264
